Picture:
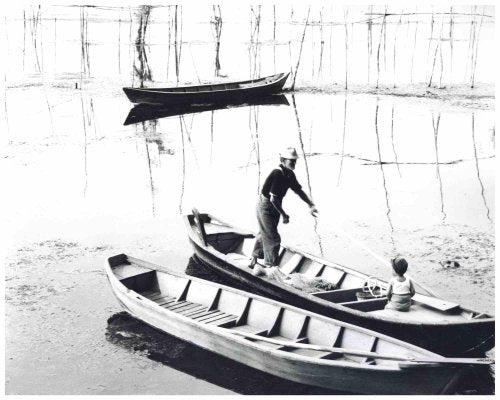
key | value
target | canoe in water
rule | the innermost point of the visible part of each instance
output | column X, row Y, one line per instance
column 438, row 325
column 212, row 92
column 276, row 338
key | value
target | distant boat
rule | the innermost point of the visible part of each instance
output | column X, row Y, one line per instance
column 441, row 326
column 212, row 92
column 146, row 112
column 277, row 338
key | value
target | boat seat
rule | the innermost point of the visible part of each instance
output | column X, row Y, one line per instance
column 418, row 312
column 338, row 295
column 366, row 305
column 433, row 302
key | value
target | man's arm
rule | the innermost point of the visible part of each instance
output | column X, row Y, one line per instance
column 277, row 205
column 307, row 200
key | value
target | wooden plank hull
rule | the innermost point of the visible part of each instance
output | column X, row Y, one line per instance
column 208, row 93
column 470, row 337
column 332, row 374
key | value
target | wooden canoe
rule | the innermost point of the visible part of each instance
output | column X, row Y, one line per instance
column 212, row 92
column 277, row 338
column 146, row 112
column 441, row 326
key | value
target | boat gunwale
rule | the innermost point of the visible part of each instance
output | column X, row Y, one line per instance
column 293, row 356
column 466, row 322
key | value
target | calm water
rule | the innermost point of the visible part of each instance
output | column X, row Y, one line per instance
column 400, row 175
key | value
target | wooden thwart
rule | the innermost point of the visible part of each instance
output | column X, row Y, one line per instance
column 436, row 303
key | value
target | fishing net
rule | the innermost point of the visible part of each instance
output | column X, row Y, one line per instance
column 300, row 281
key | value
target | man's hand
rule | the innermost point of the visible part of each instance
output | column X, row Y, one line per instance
column 286, row 219
column 314, row 211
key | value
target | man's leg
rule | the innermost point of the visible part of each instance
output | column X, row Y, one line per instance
column 258, row 251
column 271, row 239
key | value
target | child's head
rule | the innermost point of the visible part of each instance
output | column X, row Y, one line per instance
column 399, row 265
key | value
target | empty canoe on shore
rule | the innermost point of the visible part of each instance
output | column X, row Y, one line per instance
column 276, row 338
column 440, row 326
column 146, row 112
column 212, row 92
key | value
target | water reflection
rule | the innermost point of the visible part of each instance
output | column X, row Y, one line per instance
column 381, row 164
column 88, row 121
column 435, row 126
column 343, row 140
column 146, row 112
column 308, row 177
column 397, row 139
column 253, row 116
column 183, row 166
column 392, row 141
column 477, row 169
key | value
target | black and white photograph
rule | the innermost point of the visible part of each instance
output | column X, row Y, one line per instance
column 234, row 198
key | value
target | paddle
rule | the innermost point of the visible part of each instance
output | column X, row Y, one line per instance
column 368, row 354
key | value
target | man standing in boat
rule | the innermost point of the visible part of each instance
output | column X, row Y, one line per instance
column 269, row 209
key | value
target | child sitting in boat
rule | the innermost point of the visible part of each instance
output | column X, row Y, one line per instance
column 400, row 290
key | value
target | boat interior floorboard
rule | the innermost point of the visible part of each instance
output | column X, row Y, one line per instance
column 195, row 311
column 165, row 302
column 197, row 308
column 176, row 305
column 150, row 294
column 160, row 298
column 225, row 322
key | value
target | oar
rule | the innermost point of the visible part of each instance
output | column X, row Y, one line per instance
column 368, row 354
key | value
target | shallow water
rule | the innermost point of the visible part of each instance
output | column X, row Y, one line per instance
column 401, row 175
